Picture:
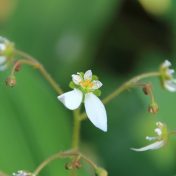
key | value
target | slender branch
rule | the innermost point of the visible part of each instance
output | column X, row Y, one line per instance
column 53, row 158
column 65, row 154
column 52, row 82
column 89, row 161
column 130, row 83
column 25, row 55
column 32, row 61
column 23, row 62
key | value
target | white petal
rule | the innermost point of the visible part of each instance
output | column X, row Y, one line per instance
column 170, row 85
column 96, row 111
column 2, row 47
column 88, row 75
column 2, row 59
column 158, row 131
column 166, row 63
column 96, row 85
column 153, row 146
column 171, row 71
column 71, row 99
column 76, row 79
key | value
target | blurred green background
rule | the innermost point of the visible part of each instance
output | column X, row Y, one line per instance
column 117, row 39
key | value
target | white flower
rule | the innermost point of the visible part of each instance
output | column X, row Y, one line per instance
column 85, row 87
column 22, row 173
column 161, row 138
column 6, row 49
column 167, row 78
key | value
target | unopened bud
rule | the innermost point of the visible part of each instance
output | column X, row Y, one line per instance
column 153, row 108
column 11, row 81
column 73, row 165
column 17, row 66
column 101, row 172
column 147, row 89
column 77, row 164
column 68, row 166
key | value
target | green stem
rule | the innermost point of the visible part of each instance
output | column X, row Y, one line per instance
column 132, row 82
column 76, row 130
column 76, row 135
column 32, row 61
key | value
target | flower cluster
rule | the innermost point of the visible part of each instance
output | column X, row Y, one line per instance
column 167, row 79
column 86, row 89
column 161, row 138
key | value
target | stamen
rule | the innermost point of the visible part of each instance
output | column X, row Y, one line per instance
column 86, row 84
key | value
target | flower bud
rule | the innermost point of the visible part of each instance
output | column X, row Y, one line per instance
column 153, row 108
column 17, row 66
column 101, row 172
column 68, row 166
column 11, row 81
column 73, row 165
column 147, row 89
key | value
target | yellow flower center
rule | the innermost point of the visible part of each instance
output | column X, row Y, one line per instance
column 86, row 84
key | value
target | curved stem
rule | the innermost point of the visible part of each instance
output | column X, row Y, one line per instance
column 32, row 61
column 130, row 83
column 48, row 77
column 89, row 161
column 25, row 55
column 23, row 62
column 63, row 155
column 53, row 158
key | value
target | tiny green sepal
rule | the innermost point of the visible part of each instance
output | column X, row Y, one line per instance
column 72, row 85
column 97, row 92
column 94, row 77
column 81, row 74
